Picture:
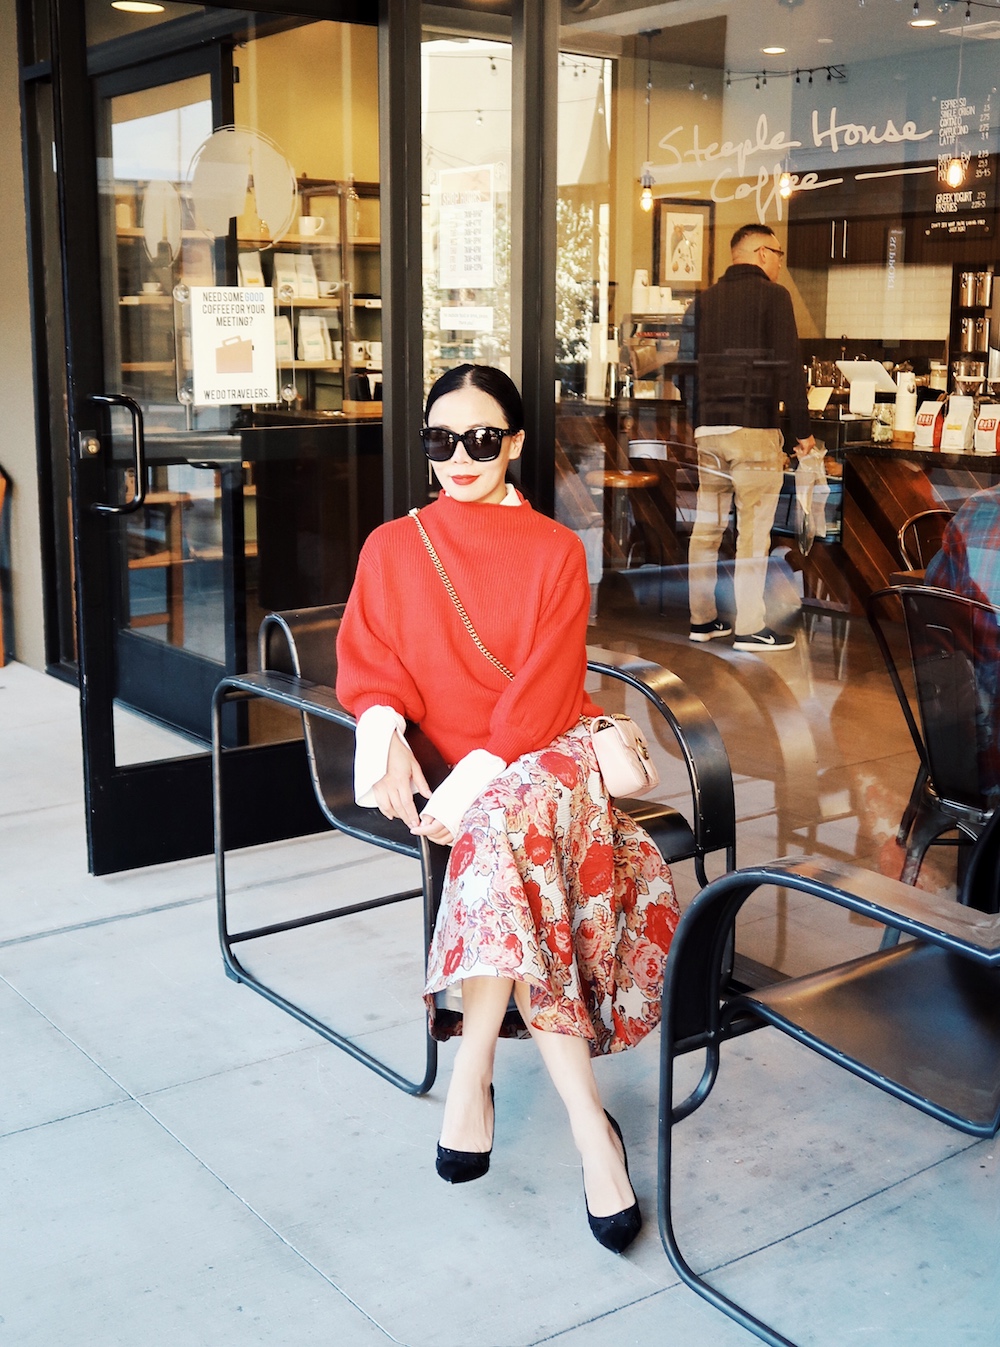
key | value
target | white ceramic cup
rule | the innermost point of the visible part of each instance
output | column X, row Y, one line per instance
column 311, row 224
column 151, row 287
column 338, row 350
column 375, row 352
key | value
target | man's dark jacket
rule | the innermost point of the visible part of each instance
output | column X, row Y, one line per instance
column 748, row 353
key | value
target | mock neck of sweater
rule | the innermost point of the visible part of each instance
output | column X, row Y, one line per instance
column 469, row 529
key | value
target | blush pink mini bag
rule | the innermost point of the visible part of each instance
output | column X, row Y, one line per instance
column 623, row 756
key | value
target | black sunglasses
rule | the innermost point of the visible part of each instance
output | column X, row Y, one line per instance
column 482, row 443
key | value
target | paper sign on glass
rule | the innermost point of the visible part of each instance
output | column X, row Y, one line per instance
column 232, row 345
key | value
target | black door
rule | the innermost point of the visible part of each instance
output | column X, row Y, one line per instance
column 222, row 465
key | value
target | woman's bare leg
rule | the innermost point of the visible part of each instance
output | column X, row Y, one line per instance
column 468, row 1112
column 567, row 1060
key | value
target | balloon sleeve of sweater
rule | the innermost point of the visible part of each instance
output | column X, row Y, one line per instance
column 369, row 671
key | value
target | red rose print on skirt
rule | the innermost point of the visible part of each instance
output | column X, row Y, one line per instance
column 462, row 854
column 563, row 768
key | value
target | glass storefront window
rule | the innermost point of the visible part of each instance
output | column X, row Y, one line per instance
column 865, row 138
column 241, row 303
column 466, row 90
column 867, row 143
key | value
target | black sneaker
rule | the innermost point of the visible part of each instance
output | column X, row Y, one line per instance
column 764, row 640
column 709, row 631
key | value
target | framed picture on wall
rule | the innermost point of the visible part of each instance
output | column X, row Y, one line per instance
column 682, row 243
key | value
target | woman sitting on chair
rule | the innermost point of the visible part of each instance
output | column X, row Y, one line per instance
column 551, row 893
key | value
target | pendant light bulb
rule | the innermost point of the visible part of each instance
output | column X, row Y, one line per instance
column 955, row 173
column 785, row 185
column 646, row 196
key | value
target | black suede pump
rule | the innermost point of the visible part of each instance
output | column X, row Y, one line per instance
column 617, row 1231
column 464, row 1166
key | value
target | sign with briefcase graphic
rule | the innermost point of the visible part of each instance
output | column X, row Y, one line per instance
column 234, row 356
column 232, row 345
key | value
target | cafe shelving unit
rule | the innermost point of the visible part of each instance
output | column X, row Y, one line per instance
column 149, row 333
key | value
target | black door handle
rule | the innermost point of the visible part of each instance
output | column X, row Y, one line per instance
column 138, row 452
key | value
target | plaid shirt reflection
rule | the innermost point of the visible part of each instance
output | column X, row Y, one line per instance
column 969, row 564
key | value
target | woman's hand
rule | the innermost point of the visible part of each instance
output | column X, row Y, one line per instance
column 433, row 830
column 403, row 775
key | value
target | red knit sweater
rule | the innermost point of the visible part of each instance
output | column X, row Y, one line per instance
column 523, row 581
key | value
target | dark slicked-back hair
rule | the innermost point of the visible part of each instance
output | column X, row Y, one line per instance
column 490, row 380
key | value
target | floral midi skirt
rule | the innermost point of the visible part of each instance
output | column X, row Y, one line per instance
column 550, row 884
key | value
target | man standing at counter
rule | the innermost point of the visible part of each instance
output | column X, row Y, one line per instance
column 748, row 361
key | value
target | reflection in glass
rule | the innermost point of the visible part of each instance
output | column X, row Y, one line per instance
column 248, row 507
column 466, row 193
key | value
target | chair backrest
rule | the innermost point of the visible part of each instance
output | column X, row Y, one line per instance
column 304, row 643
column 919, row 537
column 953, row 645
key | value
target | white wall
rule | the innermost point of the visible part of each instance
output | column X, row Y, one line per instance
column 17, row 413
column 917, row 308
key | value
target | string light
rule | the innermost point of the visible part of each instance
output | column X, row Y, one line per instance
column 760, row 77
column 785, row 185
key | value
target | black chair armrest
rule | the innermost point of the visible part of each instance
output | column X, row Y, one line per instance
column 697, row 736
column 329, row 731
column 299, row 694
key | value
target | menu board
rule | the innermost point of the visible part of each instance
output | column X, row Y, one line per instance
column 964, row 134
column 466, row 228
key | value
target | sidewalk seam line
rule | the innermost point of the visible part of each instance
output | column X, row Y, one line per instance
column 207, row 1168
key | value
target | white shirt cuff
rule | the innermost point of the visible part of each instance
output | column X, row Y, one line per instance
column 467, row 780
column 372, row 738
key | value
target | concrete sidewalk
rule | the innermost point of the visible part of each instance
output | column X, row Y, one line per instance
column 182, row 1164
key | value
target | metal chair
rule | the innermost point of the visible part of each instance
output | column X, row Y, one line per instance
column 920, row 1022
column 953, row 645
column 298, row 670
column 919, row 536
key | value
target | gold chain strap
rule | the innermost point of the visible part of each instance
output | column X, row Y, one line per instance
column 414, row 515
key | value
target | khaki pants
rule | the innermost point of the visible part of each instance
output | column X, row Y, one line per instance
column 748, row 465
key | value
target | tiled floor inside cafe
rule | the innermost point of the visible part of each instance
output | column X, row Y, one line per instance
column 182, row 1164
